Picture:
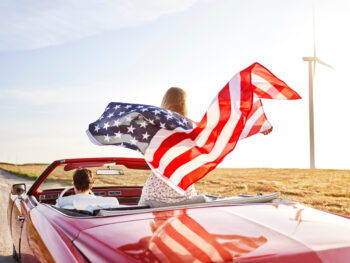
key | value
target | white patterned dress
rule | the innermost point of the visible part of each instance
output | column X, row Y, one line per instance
column 155, row 189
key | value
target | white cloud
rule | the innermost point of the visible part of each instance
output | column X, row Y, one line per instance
column 37, row 24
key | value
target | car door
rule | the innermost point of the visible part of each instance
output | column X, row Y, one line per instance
column 24, row 234
column 17, row 220
column 29, row 240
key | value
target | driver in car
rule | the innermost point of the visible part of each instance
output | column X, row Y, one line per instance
column 84, row 199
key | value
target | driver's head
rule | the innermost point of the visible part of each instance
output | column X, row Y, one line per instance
column 83, row 180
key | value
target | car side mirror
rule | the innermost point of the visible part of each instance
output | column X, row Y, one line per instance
column 18, row 189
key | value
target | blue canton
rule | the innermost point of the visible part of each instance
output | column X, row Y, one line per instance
column 134, row 125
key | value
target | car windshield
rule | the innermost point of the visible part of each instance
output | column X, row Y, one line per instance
column 105, row 175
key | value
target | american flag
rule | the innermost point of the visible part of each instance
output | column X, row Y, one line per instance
column 180, row 152
column 178, row 237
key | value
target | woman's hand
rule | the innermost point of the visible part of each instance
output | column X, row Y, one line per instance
column 267, row 131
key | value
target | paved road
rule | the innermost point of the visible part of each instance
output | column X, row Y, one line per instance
column 6, row 180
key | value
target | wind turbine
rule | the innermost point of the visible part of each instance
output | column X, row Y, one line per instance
column 312, row 66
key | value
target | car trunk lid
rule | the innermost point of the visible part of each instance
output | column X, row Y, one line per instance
column 248, row 233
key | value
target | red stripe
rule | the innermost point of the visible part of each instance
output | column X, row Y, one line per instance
column 257, row 125
column 209, row 238
column 280, row 85
column 192, row 248
column 224, row 114
column 200, row 172
column 261, row 93
column 245, row 106
column 246, row 92
column 166, row 251
column 256, row 106
column 174, row 139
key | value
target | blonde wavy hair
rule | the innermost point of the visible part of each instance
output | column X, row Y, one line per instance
column 175, row 99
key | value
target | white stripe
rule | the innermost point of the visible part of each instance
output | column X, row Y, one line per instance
column 173, row 152
column 177, row 247
column 213, row 117
column 251, row 121
column 267, row 87
column 157, row 140
column 198, row 241
column 223, row 138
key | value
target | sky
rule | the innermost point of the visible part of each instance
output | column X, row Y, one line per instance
column 62, row 62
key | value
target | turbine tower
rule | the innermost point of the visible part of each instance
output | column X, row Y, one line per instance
column 312, row 66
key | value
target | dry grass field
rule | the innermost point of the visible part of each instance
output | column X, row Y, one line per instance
column 323, row 189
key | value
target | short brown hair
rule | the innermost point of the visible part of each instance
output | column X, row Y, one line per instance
column 175, row 99
column 83, row 179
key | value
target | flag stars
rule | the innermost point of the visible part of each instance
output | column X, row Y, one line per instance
column 116, row 123
column 121, row 113
column 97, row 128
column 156, row 112
column 144, row 109
column 133, row 141
column 110, row 115
column 128, row 106
column 169, row 116
column 101, row 118
column 106, row 125
column 131, row 129
column 151, row 121
column 145, row 136
column 143, row 124
column 118, row 135
column 162, row 125
column 116, row 107
column 107, row 138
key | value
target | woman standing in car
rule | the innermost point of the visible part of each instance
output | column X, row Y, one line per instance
column 155, row 189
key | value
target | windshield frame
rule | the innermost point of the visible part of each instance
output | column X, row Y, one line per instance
column 133, row 163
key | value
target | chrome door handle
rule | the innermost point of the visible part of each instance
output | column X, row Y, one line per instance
column 21, row 218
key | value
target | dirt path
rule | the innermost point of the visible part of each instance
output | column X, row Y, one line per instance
column 6, row 180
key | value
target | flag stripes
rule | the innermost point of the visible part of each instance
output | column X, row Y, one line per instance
column 183, row 239
column 236, row 113
column 179, row 152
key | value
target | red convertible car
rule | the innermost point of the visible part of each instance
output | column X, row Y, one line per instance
column 237, row 229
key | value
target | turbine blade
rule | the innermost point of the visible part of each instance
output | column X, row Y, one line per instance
column 323, row 63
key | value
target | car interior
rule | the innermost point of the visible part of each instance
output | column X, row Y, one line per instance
column 129, row 196
column 110, row 181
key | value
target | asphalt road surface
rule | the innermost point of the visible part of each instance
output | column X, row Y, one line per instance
column 6, row 180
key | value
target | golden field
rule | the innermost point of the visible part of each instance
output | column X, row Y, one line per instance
column 323, row 189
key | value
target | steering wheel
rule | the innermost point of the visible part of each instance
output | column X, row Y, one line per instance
column 70, row 188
